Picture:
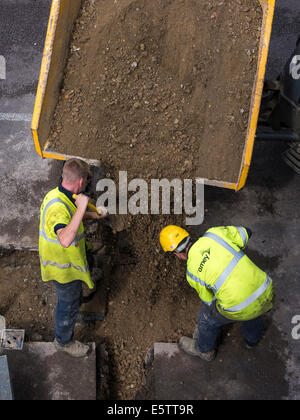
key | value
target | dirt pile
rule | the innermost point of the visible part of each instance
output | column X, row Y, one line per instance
column 148, row 300
column 160, row 88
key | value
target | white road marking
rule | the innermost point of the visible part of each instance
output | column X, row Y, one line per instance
column 15, row 117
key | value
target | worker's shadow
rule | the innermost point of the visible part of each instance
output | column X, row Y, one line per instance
column 233, row 332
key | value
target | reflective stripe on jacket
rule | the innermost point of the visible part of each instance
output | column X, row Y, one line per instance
column 219, row 270
column 58, row 263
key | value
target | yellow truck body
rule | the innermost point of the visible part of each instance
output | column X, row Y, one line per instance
column 62, row 17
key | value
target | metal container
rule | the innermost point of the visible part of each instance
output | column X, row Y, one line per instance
column 62, row 16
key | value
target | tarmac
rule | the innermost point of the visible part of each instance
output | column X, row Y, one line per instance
column 25, row 178
column 269, row 205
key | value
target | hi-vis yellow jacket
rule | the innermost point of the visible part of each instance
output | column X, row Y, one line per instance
column 58, row 263
column 220, row 271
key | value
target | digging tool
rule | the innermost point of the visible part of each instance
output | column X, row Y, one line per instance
column 115, row 223
column 90, row 205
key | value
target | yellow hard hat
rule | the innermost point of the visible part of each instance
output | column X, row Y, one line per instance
column 171, row 236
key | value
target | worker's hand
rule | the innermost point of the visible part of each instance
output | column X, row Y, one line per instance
column 82, row 202
column 103, row 212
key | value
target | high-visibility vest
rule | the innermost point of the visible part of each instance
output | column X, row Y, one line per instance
column 220, row 271
column 58, row 263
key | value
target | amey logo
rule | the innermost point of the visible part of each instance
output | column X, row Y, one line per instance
column 206, row 257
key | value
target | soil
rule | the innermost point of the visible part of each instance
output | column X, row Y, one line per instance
column 160, row 88
column 148, row 299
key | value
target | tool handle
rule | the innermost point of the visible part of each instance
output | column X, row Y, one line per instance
column 90, row 205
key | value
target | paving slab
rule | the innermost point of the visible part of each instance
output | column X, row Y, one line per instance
column 40, row 372
column 5, row 384
column 236, row 374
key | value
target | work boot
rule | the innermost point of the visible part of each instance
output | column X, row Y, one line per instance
column 74, row 348
column 189, row 346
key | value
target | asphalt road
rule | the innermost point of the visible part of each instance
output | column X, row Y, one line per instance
column 24, row 176
column 286, row 31
column 23, row 25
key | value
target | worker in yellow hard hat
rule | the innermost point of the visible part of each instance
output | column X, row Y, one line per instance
column 229, row 284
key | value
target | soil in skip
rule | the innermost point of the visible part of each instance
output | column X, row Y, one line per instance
column 160, row 89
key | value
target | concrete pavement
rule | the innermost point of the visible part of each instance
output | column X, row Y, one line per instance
column 39, row 372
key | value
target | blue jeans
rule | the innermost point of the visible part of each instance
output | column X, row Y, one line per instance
column 68, row 305
column 210, row 322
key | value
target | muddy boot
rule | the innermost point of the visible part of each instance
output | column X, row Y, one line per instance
column 74, row 348
column 188, row 345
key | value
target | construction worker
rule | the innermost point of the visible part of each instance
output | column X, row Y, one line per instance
column 62, row 250
column 229, row 284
